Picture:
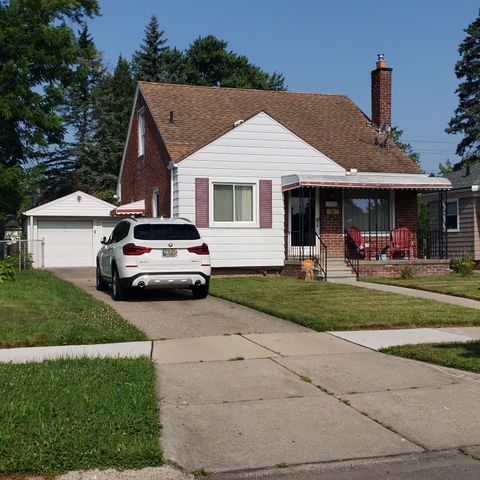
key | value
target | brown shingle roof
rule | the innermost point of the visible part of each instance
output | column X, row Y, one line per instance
column 332, row 124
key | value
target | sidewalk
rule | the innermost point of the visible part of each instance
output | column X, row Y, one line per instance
column 440, row 297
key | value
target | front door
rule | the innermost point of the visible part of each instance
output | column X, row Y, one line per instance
column 303, row 219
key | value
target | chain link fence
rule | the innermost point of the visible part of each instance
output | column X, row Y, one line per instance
column 25, row 254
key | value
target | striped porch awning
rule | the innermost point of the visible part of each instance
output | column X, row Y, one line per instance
column 134, row 208
column 367, row 180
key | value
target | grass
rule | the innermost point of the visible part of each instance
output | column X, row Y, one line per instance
column 329, row 306
column 38, row 308
column 66, row 415
column 450, row 284
column 465, row 356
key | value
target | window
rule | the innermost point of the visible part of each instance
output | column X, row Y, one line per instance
column 452, row 216
column 156, row 202
column 232, row 203
column 149, row 231
column 366, row 210
column 141, row 133
column 120, row 232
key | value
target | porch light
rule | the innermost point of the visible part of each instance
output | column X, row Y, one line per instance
column 475, row 188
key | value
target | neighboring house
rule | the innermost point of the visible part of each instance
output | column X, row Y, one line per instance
column 67, row 232
column 270, row 177
column 462, row 215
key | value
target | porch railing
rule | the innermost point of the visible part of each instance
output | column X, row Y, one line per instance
column 352, row 254
column 303, row 247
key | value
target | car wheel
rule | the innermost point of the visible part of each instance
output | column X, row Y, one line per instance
column 100, row 284
column 200, row 291
column 118, row 292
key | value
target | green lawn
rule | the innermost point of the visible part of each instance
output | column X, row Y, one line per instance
column 65, row 415
column 329, row 306
column 465, row 356
column 451, row 284
column 40, row 309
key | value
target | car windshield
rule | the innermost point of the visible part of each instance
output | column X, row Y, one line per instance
column 149, row 231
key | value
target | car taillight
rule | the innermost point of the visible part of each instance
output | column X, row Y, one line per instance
column 132, row 249
column 200, row 250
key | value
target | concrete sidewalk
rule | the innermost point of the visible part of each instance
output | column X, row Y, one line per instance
column 377, row 339
column 303, row 398
column 411, row 292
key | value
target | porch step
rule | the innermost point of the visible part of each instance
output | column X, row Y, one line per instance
column 339, row 269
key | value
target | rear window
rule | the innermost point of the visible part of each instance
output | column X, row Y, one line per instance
column 166, row 232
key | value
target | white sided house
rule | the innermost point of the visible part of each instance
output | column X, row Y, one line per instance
column 274, row 178
column 67, row 232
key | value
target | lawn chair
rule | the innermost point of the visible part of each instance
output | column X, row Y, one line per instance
column 355, row 244
column 400, row 242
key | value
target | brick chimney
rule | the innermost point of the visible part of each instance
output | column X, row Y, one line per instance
column 382, row 93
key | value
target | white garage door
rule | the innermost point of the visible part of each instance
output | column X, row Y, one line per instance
column 68, row 243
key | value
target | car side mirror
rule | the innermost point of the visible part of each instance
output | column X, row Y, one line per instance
column 104, row 241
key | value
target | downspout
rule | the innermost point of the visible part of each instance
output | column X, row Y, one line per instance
column 173, row 171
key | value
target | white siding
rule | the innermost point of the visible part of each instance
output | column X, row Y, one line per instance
column 78, row 204
column 260, row 148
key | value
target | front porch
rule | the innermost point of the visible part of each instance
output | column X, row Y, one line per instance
column 368, row 227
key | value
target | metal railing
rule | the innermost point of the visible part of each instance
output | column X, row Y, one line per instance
column 434, row 244
column 321, row 261
column 308, row 247
column 352, row 254
column 24, row 254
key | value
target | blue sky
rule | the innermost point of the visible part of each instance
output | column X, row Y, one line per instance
column 326, row 46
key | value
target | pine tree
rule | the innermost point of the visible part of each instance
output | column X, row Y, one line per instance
column 467, row 115
column 148, row 63
column 71, row 167
column 113, row 104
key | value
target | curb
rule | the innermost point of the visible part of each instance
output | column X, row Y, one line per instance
column 103, row 350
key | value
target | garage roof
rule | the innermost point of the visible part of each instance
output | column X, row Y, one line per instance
column 77, row 204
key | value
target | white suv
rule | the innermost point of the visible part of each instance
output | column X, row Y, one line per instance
column 154, row 253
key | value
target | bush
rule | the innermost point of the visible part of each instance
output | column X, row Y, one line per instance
column 406, row 272
column 7, row 270
column 464, row 265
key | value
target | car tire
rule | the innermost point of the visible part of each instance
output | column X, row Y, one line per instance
column 118, row 291
column 200, row 291
column 100, row 283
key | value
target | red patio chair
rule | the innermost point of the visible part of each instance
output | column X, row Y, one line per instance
column 400, row 241
column 357, row 244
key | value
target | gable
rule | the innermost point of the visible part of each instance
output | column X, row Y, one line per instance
column 264, row 144
column 77, row 204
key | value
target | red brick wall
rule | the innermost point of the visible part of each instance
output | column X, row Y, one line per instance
column 382, row 96
column 141, row 175
column 331, row 226
column 393, row 268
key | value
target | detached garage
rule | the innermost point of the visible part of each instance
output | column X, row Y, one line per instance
column 71, row 228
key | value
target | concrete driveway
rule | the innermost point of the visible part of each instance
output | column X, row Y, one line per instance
column 283, row 402
column 175, row 314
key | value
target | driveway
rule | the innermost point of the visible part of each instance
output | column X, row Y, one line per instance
column 175, row 314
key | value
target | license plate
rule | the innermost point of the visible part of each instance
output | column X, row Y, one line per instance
column 170, row 252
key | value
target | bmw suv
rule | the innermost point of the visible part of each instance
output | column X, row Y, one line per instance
column 153, row 253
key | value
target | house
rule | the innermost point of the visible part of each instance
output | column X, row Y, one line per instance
column 271, row 178
column 462, row 212
column 67, row 231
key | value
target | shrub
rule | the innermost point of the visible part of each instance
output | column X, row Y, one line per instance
column 406, row 272
column 7, row 271
column 464, row 265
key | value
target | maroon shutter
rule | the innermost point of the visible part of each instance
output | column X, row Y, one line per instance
column 201, row 203
column 265, row 197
